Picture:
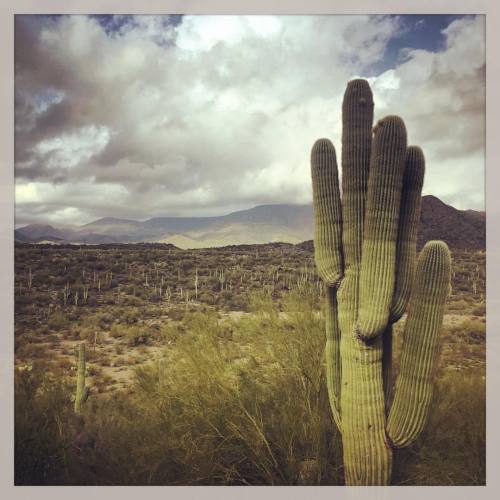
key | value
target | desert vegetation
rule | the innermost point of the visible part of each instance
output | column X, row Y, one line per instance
column 219, row 378
column 186, row 313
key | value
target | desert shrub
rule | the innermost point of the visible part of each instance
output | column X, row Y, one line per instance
column 451, row 450
column 226, row 295
column 92, row 302
column 171, row 331
column 479, row 310
column 213, row 284
column 93, row 370
column 58, row 321
column 104, row 320
column 213, row 412
column 116, row 331
column 42, row 412
column 38, row 298
column 73, row 314
column 131, row 300
column 238, row 302
column 458, row 306
column 130, row 316
column 472, row 330
column 32, row 351
column 262, row 306
column 91, row 334
column 206, row 297
column 176, row 313
column 137, row 335
column 256, row 410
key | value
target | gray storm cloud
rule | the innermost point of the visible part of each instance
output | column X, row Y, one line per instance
column 218, row 113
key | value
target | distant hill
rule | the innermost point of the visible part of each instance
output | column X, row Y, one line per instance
column 458, row 228
column 261, row 224
column 111, row 224
column 36, row 232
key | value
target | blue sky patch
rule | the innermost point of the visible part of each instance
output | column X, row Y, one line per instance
column 418, row 32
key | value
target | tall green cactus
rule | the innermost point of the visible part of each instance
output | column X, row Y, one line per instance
column 82, row 391
column 365, row 251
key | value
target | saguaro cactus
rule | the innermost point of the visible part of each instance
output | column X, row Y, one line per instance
column 365, row 251
column 82, row 391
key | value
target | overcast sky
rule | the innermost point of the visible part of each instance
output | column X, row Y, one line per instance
column 144, row 116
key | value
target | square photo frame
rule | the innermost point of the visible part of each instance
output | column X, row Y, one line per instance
column 12, row 139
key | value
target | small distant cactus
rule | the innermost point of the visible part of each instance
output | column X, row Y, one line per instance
column 30, row 278
column 82, row 391
column 365, row 252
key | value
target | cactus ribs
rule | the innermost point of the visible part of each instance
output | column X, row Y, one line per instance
column 365, row 252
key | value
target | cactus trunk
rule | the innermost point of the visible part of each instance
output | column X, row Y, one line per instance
column 367, row 456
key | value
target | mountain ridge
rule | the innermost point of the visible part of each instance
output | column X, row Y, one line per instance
column 288, row 223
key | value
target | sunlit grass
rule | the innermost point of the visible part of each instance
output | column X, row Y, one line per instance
column 233, row 402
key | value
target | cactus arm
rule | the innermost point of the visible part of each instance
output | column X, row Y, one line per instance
column 80, row 381
column 327, row 212
column 409, row 218
column 378, row 261
column 332, row 355
column 406, row 249
column 357, row 122
column 328, row 255
column 414, row 384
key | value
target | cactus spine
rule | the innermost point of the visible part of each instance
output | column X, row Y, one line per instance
column 365, row 251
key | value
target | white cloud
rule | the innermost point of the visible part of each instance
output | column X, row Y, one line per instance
column 70, row 150
column 202, row 33
column 52, row 202
column 27, row 194
column 441, row 98
column 220, row 112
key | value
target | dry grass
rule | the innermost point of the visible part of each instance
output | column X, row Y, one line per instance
column 236, row 399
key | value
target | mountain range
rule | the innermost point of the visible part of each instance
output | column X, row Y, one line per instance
column 464, row 229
